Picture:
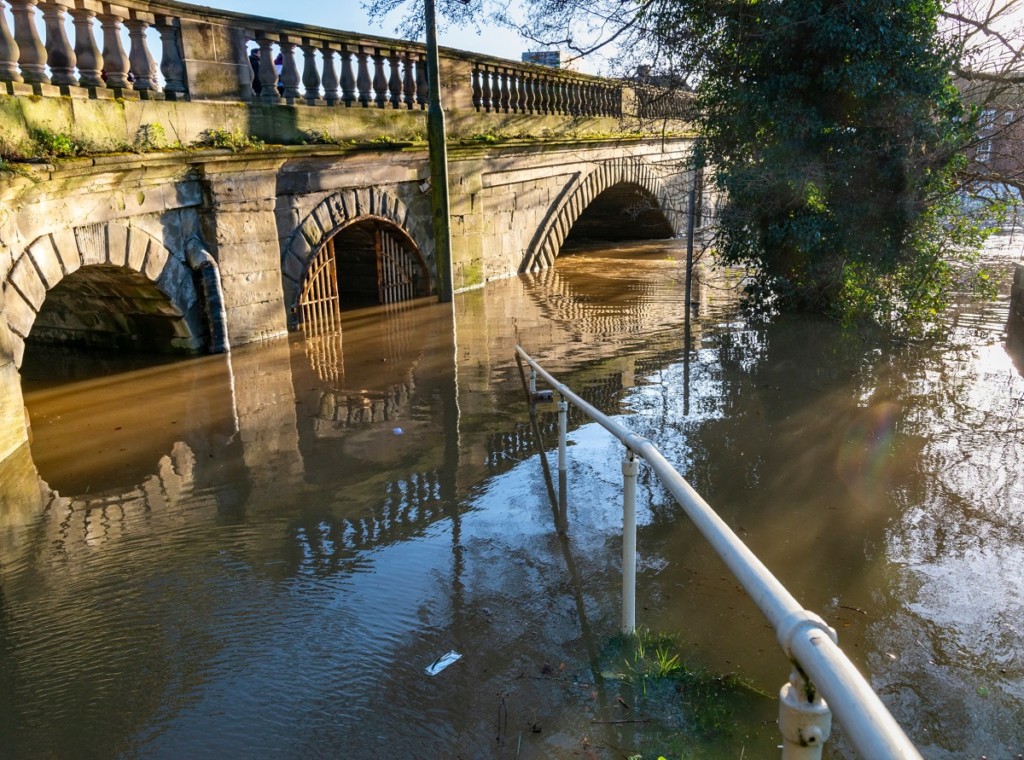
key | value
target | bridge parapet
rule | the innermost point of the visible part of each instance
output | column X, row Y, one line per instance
column 169, row 51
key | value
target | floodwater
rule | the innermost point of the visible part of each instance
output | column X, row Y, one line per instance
column 259, row 555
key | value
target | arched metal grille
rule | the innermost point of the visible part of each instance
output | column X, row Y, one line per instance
column 319, row 303
column 370, row 255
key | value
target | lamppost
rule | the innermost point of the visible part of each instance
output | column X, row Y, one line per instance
column 437, row 141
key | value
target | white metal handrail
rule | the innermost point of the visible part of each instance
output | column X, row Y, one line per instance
column 824, row 680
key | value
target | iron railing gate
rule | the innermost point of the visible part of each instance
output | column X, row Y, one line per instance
column 400, row 274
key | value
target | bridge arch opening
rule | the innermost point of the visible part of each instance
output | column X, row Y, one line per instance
column 624, row 211
column 370, row 261
column 104, row 306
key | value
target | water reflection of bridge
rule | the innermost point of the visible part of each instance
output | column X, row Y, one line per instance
column 319, row 422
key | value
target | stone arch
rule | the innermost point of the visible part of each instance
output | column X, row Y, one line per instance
column 105, row 252
column 579, row 194
column 331, row 215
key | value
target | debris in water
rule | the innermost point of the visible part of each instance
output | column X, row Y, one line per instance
column 397, row 431
column 443, row 662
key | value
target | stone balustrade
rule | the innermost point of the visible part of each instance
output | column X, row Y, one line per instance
column 98, row 63
column 507, row 87
column 176, row 51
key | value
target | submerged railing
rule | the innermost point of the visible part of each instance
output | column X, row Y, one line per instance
column 177, row 51
column 824, row 680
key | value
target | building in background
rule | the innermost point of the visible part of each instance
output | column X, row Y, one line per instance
column 554, row 59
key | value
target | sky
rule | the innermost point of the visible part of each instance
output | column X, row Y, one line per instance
column 350, row 16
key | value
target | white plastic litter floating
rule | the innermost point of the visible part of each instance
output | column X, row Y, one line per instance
column 443, row 662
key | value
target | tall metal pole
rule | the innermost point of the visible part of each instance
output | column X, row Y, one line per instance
column 437, row 140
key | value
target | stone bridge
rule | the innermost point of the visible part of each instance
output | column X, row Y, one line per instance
column 156, row 238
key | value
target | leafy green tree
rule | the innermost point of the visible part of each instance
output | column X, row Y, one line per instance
column 835, row 131
column 832, row 128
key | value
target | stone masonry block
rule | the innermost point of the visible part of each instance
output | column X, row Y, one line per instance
column 173, row 278
column 92, row 243
column 256, row 322
column 363, row 203
column 117, row 244
column 349, row 204
column 156, row 260
column 313, row 228
column 293, row 267
column 138, row 246
column 252, row 287
column 28, row 282
column 67, row 247
column 19, row 312
column 299, row 248
column 249, row 256
column 47, row 261
column 17, row 350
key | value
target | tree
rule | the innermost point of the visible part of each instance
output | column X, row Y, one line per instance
column 836, row 134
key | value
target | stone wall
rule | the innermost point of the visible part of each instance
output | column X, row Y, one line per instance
column 115, row 232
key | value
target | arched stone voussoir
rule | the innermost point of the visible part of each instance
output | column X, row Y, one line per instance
column 55, row 256
column 581, row 192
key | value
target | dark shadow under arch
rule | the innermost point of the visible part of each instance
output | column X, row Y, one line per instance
column 625, row 211
column 110, row 307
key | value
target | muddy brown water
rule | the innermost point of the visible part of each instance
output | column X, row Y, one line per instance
column 258, row 555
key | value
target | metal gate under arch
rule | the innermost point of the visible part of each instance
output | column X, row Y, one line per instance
column 401, row 275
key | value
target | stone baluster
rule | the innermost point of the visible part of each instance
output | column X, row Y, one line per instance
column 87, row 52
column 310, row 75
column 394, row 80
column 514, row 85
column 332, row 94
column 363, row 78
column 172, row 64
column 408, row 81
column 268, row 74
column 348, row 77
column 505, row 92
column 477, row 91
column 290, row 78
column 545, row 95
column 9, row 51
column 527, row 84
column 380, row 82
column 485, row 91
column 554, row 97
column 586, row 99
column 60, row 56
column 539, row 93
column 141, row 62
column 550, row 101
column 32, row 53
column 115, row 60
column 422, row 84
column 576, row 98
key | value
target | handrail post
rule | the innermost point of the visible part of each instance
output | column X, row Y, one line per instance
column 805, row 720
column 533, row 383
column 630, row 466
column 563, row 424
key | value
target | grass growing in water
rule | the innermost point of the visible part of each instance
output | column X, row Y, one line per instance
column 686, row 710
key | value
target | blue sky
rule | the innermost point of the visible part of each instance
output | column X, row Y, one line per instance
column 349, row 15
